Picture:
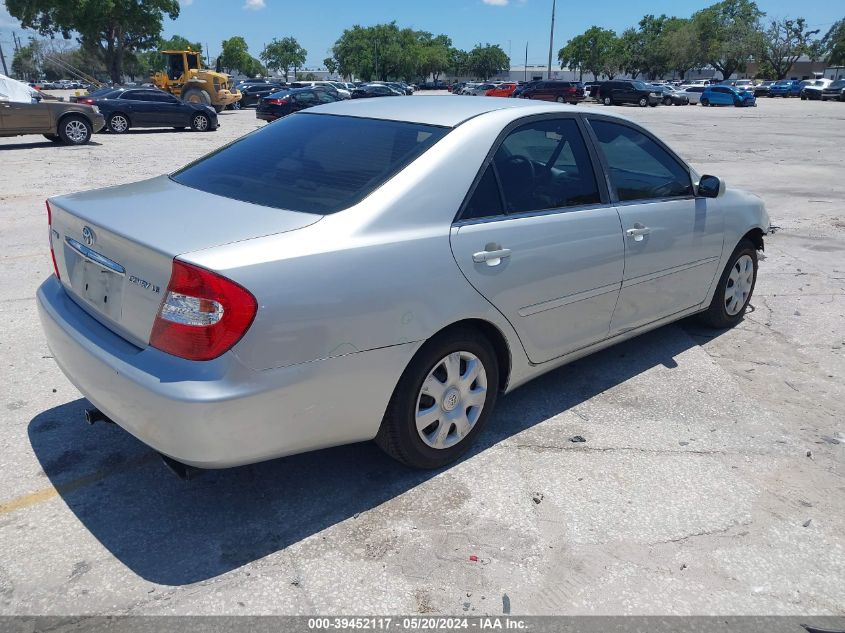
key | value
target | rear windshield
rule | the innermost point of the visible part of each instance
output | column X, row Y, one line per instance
column 315, row 163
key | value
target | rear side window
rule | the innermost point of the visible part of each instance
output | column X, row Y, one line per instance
column 639, row 168
column 310, row 162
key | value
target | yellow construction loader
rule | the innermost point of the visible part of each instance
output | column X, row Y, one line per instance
column 186, row 78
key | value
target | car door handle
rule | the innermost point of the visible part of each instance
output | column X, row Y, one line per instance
column 638, row 232
column 491, row 257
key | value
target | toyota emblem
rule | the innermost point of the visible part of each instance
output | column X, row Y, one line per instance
column 88, row 236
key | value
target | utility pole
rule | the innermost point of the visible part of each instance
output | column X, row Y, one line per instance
column 525, row 67
column 551, row 40
column 3, row 59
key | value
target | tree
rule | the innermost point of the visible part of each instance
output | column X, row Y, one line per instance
column 574, row 54
column 729, row 34
column 235, row 56
column 832, row 45
column 783, row 43
column 679, row 47
column 487, row 60
column 630, row 52
column 458, row 62
column 434, row 54
column 114, row 28
column 281, row 55
column 331, row 65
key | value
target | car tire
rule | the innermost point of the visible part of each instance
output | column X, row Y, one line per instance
column 735, row 287
column 75, row 129
column 705, row 102
column 607, row 101
column 667, row 101
column 53, row 137
column 446, row 362
column 117, row 123
column 643, row 102
column 559, row 99
column 200, row 122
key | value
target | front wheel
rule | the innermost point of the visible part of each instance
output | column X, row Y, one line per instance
column 667, row 101
column 200, row 123
column 705, row 102
column 607, row 101
column 643, row 102
column 735, row 288
column 75, row 130
column 559, row 99
column 117, row 123
column 442, row 401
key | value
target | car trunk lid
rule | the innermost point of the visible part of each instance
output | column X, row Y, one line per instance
column 115, row 247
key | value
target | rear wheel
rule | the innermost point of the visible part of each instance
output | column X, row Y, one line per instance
column 200, row 122
column 559, row 99
column 643, row 102
column 75, row 130
column 118, row 123
column 442, row 401
column 735, row 288
column 607, row 101
column 667, row 101
column 705, row 102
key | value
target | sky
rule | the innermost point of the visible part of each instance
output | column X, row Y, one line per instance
column 316, row 24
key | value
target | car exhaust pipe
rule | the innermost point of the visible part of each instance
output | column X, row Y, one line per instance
column 182, row 471
column 93, row 415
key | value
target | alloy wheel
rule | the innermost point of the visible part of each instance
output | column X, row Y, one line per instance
column 118, row 123
column 200, row 123
column 76, row 131
column 740, row 282
column 451, row 399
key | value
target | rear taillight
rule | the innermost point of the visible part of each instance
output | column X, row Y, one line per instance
column 50, row 235
column 277, row 101
column 203, row 314
column 85, row 101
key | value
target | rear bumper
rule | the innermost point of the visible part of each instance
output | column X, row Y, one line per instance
column 219, row 413
column 266, row 116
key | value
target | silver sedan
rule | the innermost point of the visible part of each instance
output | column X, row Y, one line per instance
column 382, row 269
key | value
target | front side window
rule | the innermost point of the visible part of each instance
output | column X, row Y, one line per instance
column 311, row 163
column 639, row 168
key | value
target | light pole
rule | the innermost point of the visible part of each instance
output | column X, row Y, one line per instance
column 551, row 40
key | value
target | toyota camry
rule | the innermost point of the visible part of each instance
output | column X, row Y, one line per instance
column 382, row 269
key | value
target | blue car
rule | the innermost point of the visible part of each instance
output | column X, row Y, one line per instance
column 785, row 88
column 727, row 95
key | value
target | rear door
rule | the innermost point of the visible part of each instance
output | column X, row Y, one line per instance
column 167, row 110
column 137, row 108
column 538, row 238
column 673, row 241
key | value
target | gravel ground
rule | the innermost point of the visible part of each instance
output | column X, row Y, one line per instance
column 711, row 481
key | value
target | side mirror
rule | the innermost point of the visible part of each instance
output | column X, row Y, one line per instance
column 710, row 187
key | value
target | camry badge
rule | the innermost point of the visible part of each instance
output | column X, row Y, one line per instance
column 88, row 236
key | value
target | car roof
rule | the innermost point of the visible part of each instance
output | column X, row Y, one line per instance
column 444, row 111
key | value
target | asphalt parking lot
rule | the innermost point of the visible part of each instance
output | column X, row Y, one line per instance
column 711, row 480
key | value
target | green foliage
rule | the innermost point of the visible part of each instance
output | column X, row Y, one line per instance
column 832, row 45
column 26, row 64
column 331, row 65
column 284, row 54
column 783, row 42
column 235, row 57
column 487, row 60
column 115, row 29
column 385, row 52
column 729, row 34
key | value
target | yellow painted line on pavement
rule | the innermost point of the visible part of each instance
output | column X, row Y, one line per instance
column 45, row 494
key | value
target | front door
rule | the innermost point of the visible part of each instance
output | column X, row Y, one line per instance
column 673, row 241
column 539, row 241
column 27, row 117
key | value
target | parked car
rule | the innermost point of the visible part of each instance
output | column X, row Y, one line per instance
column 521, row 87
column 618, row 92
column 286, row 102
column 814, row 90
column 149, row 108
column 835, row 90
column 785, row 88
column 727, row 95
column 252, row 93
column 323, row 85
column 553, row 90
column 670, row 96
column 694, row 93
column 374, row 90
column 501, row 90
column 456, row 87
column 479, row 90
column 58, row 121
column 739, row 84
column 327, row 259
column 762, row 89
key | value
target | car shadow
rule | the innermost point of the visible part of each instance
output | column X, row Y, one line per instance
column 46, row 143
column 176, row 532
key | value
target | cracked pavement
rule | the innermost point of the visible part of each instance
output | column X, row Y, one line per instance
column 710, row 482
